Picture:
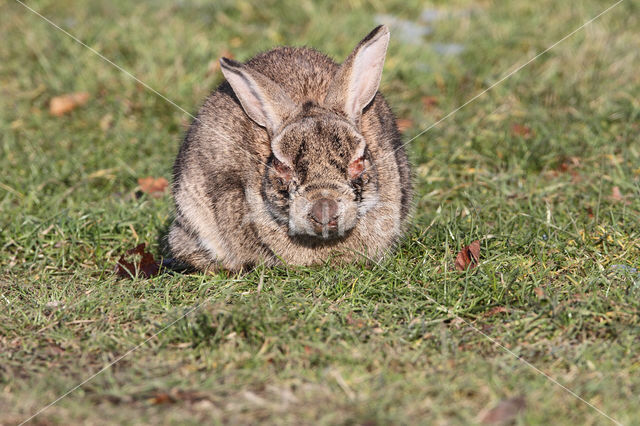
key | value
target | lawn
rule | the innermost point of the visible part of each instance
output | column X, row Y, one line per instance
column 543, row 170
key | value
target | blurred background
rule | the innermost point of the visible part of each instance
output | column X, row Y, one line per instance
column 441, row 55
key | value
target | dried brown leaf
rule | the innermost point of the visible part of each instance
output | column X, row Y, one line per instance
column 522, row 130
column 468, row 257
column 162, row 398
column 155, row 187
column 137, row 262
column 590, row 212
column 60, row 105
column 568, row 164
column 176, row 395
column 496, row 310
column 429, row 102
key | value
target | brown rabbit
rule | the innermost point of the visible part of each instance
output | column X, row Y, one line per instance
column 294, row 159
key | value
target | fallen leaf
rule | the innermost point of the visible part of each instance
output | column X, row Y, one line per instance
column 429, row 102
column 468, row 256
column 569, row 164
column 506, row 411
column 137, row 262
column 521, row 130
column 60, row 105
column 404, row 124
column 590, row 212
column 175, row 395
column 155, row 187
column 495, row 310
column 162, row 398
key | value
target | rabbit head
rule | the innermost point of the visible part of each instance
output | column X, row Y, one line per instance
column 320, row 178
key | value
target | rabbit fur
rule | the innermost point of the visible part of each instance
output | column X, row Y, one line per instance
column 294, row 159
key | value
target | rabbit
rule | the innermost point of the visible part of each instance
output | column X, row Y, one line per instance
column 293, row 160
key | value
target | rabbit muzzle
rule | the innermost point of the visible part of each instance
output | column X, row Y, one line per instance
column 325, row 215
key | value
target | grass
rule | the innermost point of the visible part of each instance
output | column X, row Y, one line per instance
column 392, row 343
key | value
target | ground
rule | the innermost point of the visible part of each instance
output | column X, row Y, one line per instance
column 543, row 170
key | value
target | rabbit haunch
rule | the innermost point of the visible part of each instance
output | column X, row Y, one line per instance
column 293, row 159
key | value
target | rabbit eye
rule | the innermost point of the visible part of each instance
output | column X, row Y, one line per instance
column 284, row 172
column 356, row 168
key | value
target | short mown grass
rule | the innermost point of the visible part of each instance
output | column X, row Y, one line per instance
column 529, row 169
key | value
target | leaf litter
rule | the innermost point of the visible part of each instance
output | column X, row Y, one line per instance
column 155, row 187
column 468, row 257
column 60, row 105
column 137, row 262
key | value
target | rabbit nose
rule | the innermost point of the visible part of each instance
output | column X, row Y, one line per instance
column 324, row 211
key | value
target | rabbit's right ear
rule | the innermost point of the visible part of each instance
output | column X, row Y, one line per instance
column 356, row 81
column 262, row 99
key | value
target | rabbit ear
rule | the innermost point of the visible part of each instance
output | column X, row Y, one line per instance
column 356, row 81
column 262, row 99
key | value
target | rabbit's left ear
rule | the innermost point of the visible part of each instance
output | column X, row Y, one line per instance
column 264, row 101
column 356, row 81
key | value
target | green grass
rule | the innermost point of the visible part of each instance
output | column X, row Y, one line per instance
column 392, row 343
